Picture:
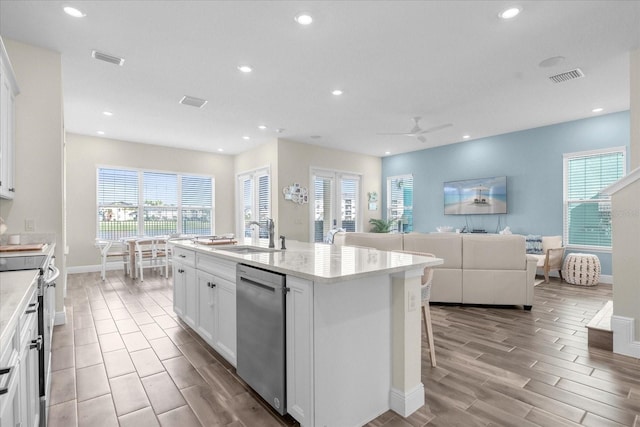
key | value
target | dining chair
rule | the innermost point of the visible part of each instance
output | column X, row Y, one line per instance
column 151, row 252
column 111, row 250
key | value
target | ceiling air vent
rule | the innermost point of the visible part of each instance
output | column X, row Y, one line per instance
column 192, row 101
column 107, row 58
column 567, row 75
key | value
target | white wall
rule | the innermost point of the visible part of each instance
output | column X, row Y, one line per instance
column 86, row 153
column 39, row 148
column 295, row 160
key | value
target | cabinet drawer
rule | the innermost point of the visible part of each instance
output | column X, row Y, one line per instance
column 30, row 314
column 219, row 267
column 184, row 256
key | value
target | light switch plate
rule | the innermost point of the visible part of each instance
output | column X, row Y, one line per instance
column 29, row 225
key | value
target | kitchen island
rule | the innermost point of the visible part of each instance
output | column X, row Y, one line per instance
column 353, row 330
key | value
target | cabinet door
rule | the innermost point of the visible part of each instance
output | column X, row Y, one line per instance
column 299, row 312
column 30, row 379
column 10, row 401
column 179, row 286
column 191, row 296
column 206, row 325
column 226, row 319
column 7, row 135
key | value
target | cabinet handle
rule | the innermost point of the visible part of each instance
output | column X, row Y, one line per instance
column 211, row 284
column 13, row 190
column 4, row 386
column 180, row 270
column 182, row 256
column 35, row 306
column 37, row 343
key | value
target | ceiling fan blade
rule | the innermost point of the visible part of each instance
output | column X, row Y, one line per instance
column 421, row 138
column 416, row 127
column 435, row 128
column 401, row 133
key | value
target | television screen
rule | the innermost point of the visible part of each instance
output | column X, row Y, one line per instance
column 476, row 196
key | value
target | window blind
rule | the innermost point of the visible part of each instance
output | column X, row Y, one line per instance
column 400, row 202
column 349, row 203
column 132, row 203
column 587, row 212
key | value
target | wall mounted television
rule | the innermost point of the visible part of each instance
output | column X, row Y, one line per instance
column 479, row 196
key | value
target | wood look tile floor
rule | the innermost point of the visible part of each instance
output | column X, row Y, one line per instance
column 124, row 358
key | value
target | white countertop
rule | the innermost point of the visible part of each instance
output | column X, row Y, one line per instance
column 321, row 262
column 15, row 287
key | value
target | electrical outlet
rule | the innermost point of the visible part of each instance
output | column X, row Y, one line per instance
column 29, row 225
column 413, row 301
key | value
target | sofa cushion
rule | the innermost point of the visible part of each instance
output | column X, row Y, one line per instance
column 494, row 252
column 380, row 241
column 447, row 246
column 534, row 244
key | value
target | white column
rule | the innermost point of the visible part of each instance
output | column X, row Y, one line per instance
column 407, row 390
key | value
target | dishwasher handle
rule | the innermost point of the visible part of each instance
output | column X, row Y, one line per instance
column 258, row 284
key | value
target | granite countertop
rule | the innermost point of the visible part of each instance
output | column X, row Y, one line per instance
column 15, row 288
column 321, row 262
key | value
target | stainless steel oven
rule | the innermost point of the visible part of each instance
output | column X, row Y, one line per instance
column 49, row 273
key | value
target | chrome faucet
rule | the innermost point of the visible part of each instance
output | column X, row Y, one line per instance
column 270, row 229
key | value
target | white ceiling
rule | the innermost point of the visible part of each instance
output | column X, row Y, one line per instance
column 447, row 61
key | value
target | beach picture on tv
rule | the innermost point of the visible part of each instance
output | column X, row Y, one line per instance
column 476, row 196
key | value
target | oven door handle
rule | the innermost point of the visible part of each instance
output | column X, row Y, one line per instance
column 53, row 276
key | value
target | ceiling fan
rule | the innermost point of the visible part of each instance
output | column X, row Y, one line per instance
column 418, row 132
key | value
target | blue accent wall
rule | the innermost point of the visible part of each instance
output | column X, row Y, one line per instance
column 532, row 161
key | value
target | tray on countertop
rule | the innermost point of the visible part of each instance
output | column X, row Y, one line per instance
column 21, row 248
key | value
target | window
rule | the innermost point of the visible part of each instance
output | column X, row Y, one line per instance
column 336, row 202
column 587, row 213
column 255, row 202
column 400, row 202
column 133, row 202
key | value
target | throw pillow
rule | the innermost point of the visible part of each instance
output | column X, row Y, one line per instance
column 534, row 244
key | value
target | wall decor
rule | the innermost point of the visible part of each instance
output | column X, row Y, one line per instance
column 373, row 199
column 296, row 194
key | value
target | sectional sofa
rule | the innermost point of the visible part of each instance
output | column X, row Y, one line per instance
column 477, row 269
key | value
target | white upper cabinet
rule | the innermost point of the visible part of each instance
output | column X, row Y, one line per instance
column 8, row 92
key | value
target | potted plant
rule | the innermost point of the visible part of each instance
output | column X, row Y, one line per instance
column 381, row 225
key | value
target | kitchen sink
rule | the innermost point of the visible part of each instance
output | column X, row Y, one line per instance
column 247, row 249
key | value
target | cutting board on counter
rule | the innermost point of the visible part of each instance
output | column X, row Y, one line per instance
column 21, row 248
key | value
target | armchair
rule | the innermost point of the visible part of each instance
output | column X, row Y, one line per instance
column 551, row 257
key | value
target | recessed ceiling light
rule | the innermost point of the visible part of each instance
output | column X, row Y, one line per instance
column 466, row 136
column 246, row 137
column 387, row 153
column 597, row 110
column 107, row 113
column 510, row 13
column 245, row 68
column 100, row 132
column 262, row 127
column 304, row 19
column 336, row 92
column 220, row 150
column 72, row 11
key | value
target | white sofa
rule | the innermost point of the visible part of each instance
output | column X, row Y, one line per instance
column 477, row 269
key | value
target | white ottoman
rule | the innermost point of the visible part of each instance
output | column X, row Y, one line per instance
column 581, row 269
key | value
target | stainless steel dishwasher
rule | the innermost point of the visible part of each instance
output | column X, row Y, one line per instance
column 260, row 302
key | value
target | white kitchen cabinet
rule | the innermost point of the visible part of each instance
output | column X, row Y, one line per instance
column 8, row 92
column 207, row 296
column 225, row 338
column 299, row 348
column 20, row 398
column 185, row 293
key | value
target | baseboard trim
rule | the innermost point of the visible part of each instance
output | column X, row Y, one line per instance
column 406, row 403
column 60, row 317
column 624, row 336
column 94, row 268
column 606, row 278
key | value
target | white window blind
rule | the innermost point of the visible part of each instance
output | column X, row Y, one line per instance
column 587, row 213
column 336, row 198
column 135, row 202
column 255, row 202
column 400, row 202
